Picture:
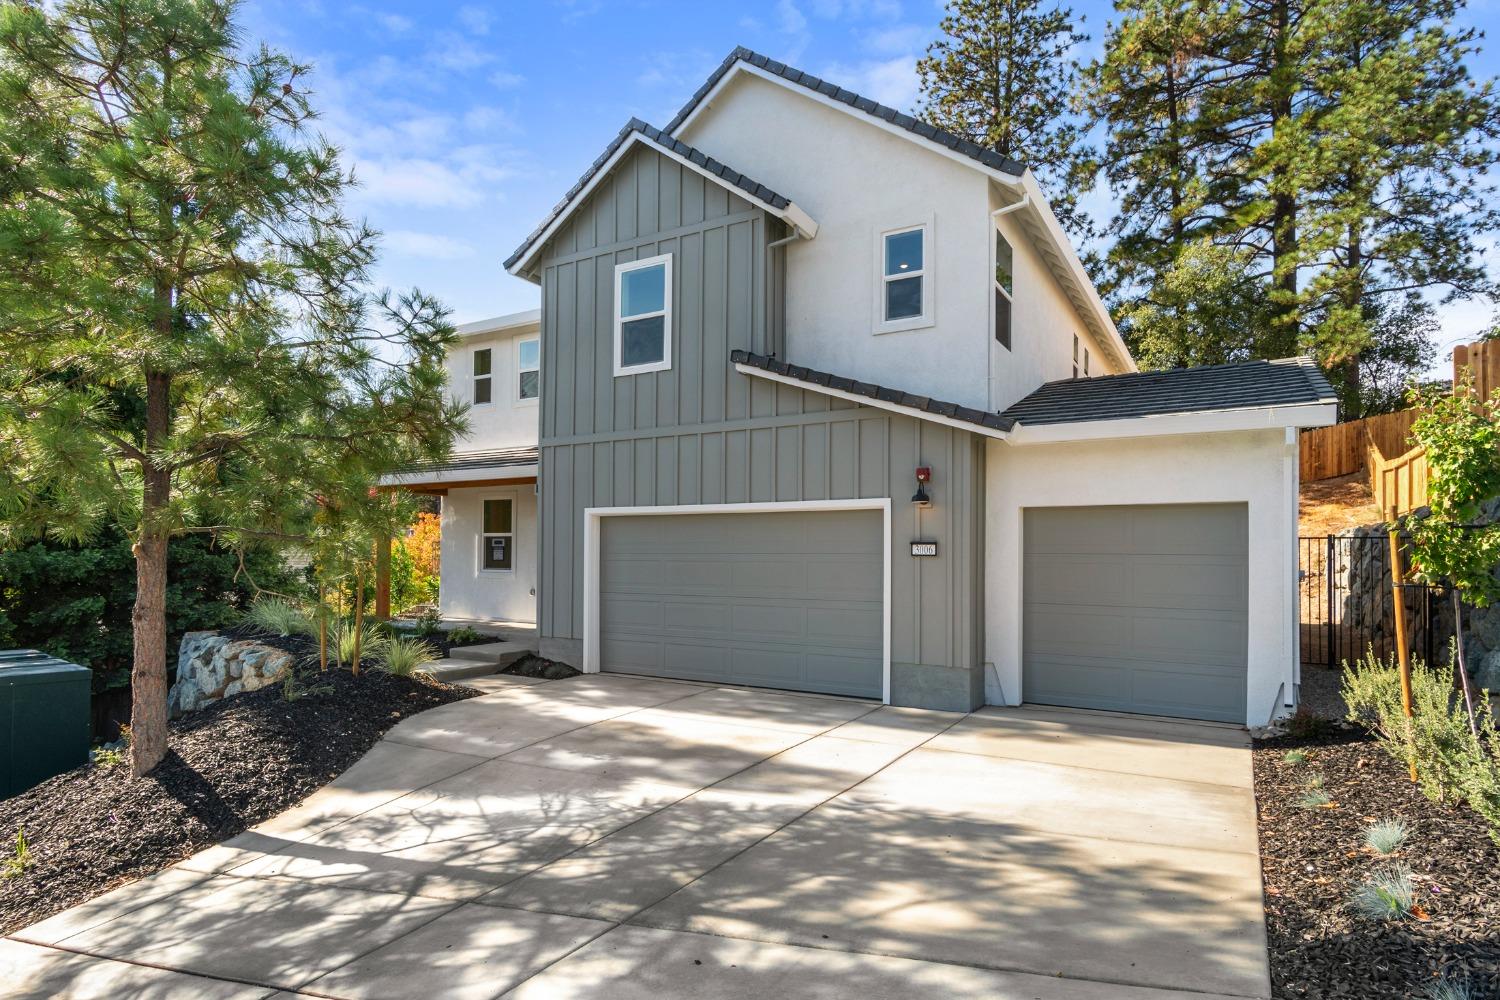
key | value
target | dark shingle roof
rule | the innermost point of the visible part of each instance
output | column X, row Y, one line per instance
column 1236, row 386
column 462, row 460
column 926, row 404
column 731, row 177
column 972, row 150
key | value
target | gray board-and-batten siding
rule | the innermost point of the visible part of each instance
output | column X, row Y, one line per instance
column 702, row 433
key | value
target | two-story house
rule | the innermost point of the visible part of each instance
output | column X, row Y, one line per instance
column 828, row 403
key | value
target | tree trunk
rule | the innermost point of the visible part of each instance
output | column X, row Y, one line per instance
column 1284, row 249
column 148, row 675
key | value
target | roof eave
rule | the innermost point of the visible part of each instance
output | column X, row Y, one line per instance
column 1247, row 418
column 792, row 214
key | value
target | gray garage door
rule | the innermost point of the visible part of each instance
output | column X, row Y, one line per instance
column 1137, row 609
column 784, row 600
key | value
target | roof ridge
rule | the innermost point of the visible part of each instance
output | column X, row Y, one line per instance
column 692, row 154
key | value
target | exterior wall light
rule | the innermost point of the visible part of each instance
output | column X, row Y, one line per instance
column 920, row 498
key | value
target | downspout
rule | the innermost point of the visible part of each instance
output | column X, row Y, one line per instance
column 989, row 375
column 771, row 258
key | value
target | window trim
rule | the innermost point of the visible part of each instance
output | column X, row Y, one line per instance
column 474, row 375
column 1010, row 298
column 483, row 536
column 529, row 400
column 665, row 364
column 928, row 274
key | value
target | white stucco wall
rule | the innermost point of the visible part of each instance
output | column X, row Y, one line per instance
column 1043, row 322
column 858, row 180
column 466, row 591
column 507, row 420
column 1258, row 468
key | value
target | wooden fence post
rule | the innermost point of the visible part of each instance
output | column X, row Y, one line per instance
column 1403, row 654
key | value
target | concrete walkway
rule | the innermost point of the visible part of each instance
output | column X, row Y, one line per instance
column 626, row 838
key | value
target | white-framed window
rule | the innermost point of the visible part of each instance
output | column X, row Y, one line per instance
column 483, row 379
column 1004, row 289
column 643, row 315
column 1075, row 355
column 497, row 536
column 1085, row 362
column 528, row 369
column 904, row 273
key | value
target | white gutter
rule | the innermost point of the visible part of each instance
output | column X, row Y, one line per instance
column 1201, row 422
column 1014, row 207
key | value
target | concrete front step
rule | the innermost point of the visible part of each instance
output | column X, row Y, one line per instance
column 454, row 669
column 486, row 652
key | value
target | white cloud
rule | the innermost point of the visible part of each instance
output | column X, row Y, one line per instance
column 790, row 17
column 505, row 81
column 901, row 39
column 474, row 19
column 889, row 81
column 429, row 246
column 396, row 24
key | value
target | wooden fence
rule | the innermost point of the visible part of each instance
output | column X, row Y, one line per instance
column 1484, row 358
column 1399, row 482
column 1343, row 449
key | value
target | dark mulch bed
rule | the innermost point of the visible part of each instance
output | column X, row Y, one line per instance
column 232, row 765
column 306, row 649
column 540, row 666
column 1313, row 859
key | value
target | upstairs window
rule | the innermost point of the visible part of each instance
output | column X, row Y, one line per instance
column 528, row 369
column 482, row 379
column 495, row 543
column 643, row 316
column 1085, row 362
column 1004, row 288
column 903, row 275
column 1075, row 355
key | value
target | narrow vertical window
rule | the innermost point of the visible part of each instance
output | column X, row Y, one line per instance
column 498, row 536
column 903, row 273
column 1004, row 288
column 528, row 368
column 1085, row 362
column 643, row 315
column 1075, row 355
column 482, row 376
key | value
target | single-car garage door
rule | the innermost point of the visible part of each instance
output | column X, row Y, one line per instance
column 790, row 599
column 1137, row 609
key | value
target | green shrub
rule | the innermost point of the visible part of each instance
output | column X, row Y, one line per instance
column 406, row 655
column 1294, row 757
column 1448, row 989
column 1385, row 836
column 1452, row 762
column 1305, row 724
column 20, row 858
column 465, row 636
column 278, row 617
column 294, row 687
column 1386, row 895
column 372, row 642
column 428, row 624
column 74, row 601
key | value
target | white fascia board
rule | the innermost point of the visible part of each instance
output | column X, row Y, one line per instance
column 457, row 477
column 791, row 215
column 879, row 404
column 1042, row 210
column 1203, row 422
column 499, row 324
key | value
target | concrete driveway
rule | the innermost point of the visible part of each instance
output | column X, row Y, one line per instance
column 626, row 838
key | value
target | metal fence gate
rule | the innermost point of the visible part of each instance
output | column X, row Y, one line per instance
column 1346, row 607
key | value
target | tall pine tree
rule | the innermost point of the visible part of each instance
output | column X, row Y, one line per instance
column 1003, row 75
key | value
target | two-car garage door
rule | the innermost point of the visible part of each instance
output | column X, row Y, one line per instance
column 783, row 599
column 1137, row 609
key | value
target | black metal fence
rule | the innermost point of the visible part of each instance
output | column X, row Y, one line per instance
column 1346, row 605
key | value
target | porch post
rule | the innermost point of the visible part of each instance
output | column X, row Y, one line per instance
column 383, row 577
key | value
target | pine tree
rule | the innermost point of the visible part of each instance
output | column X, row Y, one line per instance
column 187, row 344
column 1003, row 75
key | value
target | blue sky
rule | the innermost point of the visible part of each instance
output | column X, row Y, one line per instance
column 466, row 122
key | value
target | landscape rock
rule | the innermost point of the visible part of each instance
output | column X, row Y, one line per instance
column 211, row 667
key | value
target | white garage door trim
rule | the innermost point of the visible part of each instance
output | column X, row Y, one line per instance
column 594, row 516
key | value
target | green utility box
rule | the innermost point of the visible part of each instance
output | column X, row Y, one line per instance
column 44, row 718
